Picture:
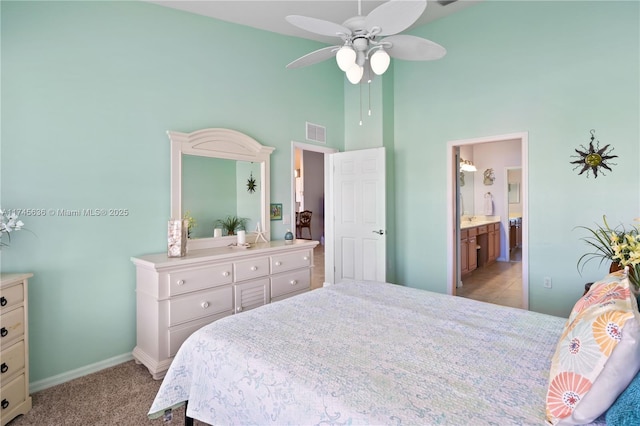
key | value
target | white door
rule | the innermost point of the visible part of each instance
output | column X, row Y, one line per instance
column 358, row 184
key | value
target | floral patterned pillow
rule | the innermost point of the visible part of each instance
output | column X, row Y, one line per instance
column 598, row 353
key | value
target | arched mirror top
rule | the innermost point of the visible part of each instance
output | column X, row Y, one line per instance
column 220, row 144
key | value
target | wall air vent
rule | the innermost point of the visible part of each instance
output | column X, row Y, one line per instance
column 316, row 133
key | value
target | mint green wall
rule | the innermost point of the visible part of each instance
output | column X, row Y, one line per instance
column 89, row 90
column 553, row 69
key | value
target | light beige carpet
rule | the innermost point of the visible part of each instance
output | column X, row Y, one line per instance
column 120, row 395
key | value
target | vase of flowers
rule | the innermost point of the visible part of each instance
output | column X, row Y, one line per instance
column 191, row 222
column 619, row 246
column 9, row 222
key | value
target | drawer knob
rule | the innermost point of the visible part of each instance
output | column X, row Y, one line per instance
column 4, row 368
column 3, row 301
column 4, row 332
column 180, row 282
column 5, row 404
column 239, row 309
column 204, row 305
column 306, row 258
column 254, row 268
column 225, row 274
column 278, row 263
column 294, row 282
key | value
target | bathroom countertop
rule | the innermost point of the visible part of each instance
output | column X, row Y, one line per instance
column 473, row 223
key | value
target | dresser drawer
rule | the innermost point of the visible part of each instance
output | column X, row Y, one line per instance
column 482, row 229
column 472, row 232
column 291, row 282
column 11, row 296
column 202, row 304
column 12, row 395
column 252, row 268
column 12, row 361
column 288, row 262
column 177, row 335
column 181, row 282
column 12, row 326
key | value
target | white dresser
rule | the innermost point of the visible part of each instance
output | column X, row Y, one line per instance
column 14, row 347
column 177, row 296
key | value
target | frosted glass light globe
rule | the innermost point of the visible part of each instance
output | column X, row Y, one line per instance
column 380, row 61
column 345, row 58
column 354, row 74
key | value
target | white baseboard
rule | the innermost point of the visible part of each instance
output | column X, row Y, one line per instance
column 79, row 372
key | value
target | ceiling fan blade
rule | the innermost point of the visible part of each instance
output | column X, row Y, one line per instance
column 318, row 26
column 412, row 48
column 395, row 16
column 314, row 57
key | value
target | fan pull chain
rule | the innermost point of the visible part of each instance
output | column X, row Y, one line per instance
column 369, row 86
column 360, row 103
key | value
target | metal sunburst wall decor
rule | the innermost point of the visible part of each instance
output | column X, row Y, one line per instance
column 593, row 159
column 251, row 184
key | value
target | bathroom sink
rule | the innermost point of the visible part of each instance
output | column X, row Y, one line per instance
column 470, row 224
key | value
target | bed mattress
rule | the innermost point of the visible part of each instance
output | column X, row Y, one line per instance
column 366, row 353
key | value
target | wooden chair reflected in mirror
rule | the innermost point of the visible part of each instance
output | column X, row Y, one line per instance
column 303, row 220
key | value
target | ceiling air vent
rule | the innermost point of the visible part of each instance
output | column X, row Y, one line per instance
column 316, row 133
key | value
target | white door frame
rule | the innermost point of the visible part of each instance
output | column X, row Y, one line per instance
column 452, row 241
column 506, row 200
column 328, row 200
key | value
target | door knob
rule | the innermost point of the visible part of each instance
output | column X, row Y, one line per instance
column 380, row 232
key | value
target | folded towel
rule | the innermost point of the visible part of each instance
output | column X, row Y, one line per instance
column 488, row 204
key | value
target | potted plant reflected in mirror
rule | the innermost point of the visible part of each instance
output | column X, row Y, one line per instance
column 232, row 223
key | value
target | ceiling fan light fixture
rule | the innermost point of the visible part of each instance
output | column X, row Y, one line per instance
column 346, row 57
column 380, row 61
column 354, row 74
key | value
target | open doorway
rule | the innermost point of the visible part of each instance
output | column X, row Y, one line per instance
column 309, row 180
column 478, row 204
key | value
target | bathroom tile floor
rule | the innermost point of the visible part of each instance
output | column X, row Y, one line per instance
column 499, row 283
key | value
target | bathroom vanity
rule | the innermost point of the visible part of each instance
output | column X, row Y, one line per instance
column 479, row 244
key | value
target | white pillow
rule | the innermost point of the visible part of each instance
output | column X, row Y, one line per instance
column 598, row 353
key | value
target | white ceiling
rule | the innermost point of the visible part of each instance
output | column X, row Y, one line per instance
column 269, row 14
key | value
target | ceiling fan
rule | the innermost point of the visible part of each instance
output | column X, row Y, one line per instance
column 369, row 42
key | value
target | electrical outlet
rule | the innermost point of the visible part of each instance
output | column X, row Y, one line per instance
column 547, row 282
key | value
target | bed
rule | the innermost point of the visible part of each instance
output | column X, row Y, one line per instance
column 367, row 353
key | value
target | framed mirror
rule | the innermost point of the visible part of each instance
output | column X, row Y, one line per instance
column 217, row 173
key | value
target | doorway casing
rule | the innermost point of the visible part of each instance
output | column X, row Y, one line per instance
column 328, row 226
column 453, row 222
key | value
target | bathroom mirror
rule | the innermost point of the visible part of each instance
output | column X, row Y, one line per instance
column 514, row 193
column 210, row 172
column 467, row 193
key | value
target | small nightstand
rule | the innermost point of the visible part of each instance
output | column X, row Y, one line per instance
column 14, row 347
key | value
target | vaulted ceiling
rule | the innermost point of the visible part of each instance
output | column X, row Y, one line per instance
column 269, row 14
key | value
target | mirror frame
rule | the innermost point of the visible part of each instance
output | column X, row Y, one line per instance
column 227, row 144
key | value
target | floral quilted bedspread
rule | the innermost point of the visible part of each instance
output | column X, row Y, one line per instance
column 366, row 353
